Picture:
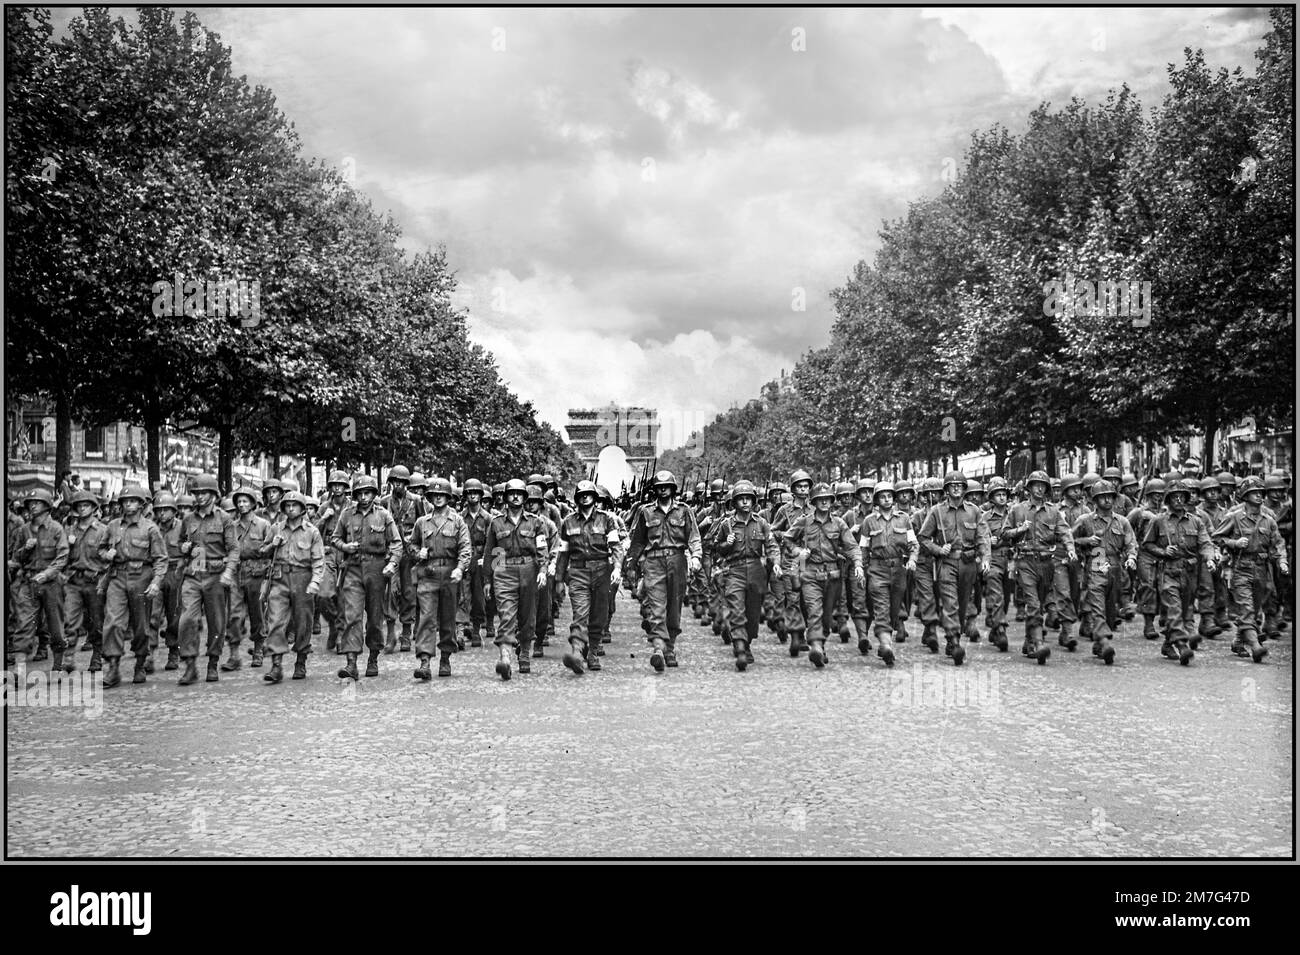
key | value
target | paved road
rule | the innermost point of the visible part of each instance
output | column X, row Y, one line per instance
column 1145, row 758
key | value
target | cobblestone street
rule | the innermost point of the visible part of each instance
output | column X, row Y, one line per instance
column 1072, row 759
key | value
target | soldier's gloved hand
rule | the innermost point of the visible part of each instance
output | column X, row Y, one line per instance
column 349, row 547
column 1241, row 543
column 110, row 553
column 692, row 564
column 859, row 573
column 1103, row 567
column 456, row 574
column 389, row 569
column 227, row 579
column 984, row 567
column 186, row 547
column 1074, row 557
column 541, row 576
column 945, row 550
column 153, row 590
column 1284, row 568
column 911, row 565
column 423, row 554
column 29, row 543
column 1211, row 564
column 1131, row 564
column 41, row 577
column 313, row 589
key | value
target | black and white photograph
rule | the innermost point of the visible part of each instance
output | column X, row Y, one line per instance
column 621, row 433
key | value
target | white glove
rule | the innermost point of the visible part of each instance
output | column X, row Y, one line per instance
column 456, row 575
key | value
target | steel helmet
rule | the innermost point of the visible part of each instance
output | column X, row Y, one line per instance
column 338, row 477
column 1210, row 483
column 85, row 497
column 272, row 484
column 843, row 489
column 312, row 503
column 1192, row 464
column 1100, row 487
column 996, row 483
column 400, row 473
column 42, row 495
column 514, row 484
column 881, row 488
column 1251, row 483
column 185, row 500
column 820, row 491
column 954, row 477
column 1227, row 479
column 1089, row 479
column 865, row 484
column 666, row 477
column 536, row 478
column 1128, row 480
column 294, row 497
column 204, row 482
column 717, row 486
column 743, row 489
column 1056, row 484
column 776, row 487
column 548, row 480
column 473, row 484
column 700, row 487
column 1071, row 480
column 586, row 487
column 903, row 485
column 1112, row 474
column 227, row 504
column 418, row 481
column 437, row 486
column 1155, row 486
column 535, row 492
column 800, row 475
column 1177, row 487
column 1039, row 476
column 134, row 491
column 1169, row 477
column 1274, row 482
column 499, row 488
column 245, row 491
column 364, row 482
column 973, row 486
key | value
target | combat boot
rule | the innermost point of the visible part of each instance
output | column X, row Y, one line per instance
column 476, row 638
column 593, row 657
column 726, row 635
column 864, row 642
column 538, row 653
column 234, row 661
column 930, row 637
column 1066, row 638
column 1208, row 629
column 422, row 672
column 300, row 667
column 276, row 673
column 573, row 659
column 797, row 643
column 1168, row 650
column 148, row 663
column 57, row 664
column 42, row 654
column 173, row 658
column 332, row 641
column 948, row 641
column 213, row 676
column 503, row 664
column 1252, row 645
column 404, row 644
column 191, row 674
column 1149, row 626
column 657, row 655
column 670, row 654
column 844, row 631
column 349, row 669
column 390, row 642
column 141, row 670
column 900, row 635
column 372, row 663
column 1185, row 652
column 817, row 653
column 716, row 624
column 69, row 662
column 111, row 676
column 999, row 637
column 605, row 638
column 96, row 661
column 958, row 651
column 600, row 649
column 460, row 644
column 1053, row 620
column 885, row 649
column 525, row 655
column 444, row 664
column 256, row 654
column 1105, row 650
column 738, row 649
column 973, row 631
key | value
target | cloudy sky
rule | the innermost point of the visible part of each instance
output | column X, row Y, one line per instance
column 634, row 198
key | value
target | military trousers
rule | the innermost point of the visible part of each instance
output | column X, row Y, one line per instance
column 289, row 611
column 744, row 582
column 126, row 608
column 589, row 592
column 515, row 587
column 32, row 600
column 887, row 587
column 364, row 590
column 997, row 587
column 1035, row 574
column 203, row 597
column 437, row 596
column 1103, row 599
column 83, row 609
column 821, row 594
column 958, row 578
column 1178, row 579
column 664, row 575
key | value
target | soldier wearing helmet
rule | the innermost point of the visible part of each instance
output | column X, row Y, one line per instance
column 821, row 540
column 889, row 550
column 956, row 534
column 518, row 553
column 1037, row 529
column 1105, row 543
column 922, row 585
column 474, row 589
column 83, row 603
column 298, row 570
column 1252, row 539
column 665, row 546
column 789, row 587
column 442, row 551
column 1179, row 541
column 406, row 508
column 211, row 552
column 38, row 582
column 137, row 560
column 535, row 503
column 997, row 582
column 1067, row 585
column 254, row 534
column 166, row 610
column 857, row 602
column 1145, row 589
column 1212, row 592
column 745, row 550
column 328, row 601
column 273, row 490
column 709, row 583
column 607, row 505
column 370, row 548
column 590, row 555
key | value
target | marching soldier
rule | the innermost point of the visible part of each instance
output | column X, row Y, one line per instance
column 997, row 582
column 328, row 601
column 746, row 548
column 474, row 587
column 137, row 560
column 715, row 509
column 1066, row 587
column 167, row 605
column 370, row 544
column 666, row 533
column 253, row 534
column 1178, row 540
column 588, row 565
column 1038, row 529
column 789, row 514
column 1147, row 588
column 889, row 548
column 38, row 575
column 405, row 509
column 272, row 495
column 957, row 534
column 924, row 586
column 1105, row 543
column 83, row 607
column 774, row 600
column 857, row 599
column 212, row 560
column 535, row 504
column 297, row 571
column 516, row 548
column 1212, row 592
column 1252, row 539
column 443, row 552
column 823, row 540
column 607, row 504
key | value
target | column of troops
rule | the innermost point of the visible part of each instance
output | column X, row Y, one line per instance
column 435, row 569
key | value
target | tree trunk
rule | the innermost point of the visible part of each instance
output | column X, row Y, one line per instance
column 1211, row 425
column 1049, row 457
column 306, row 481
column 1000, row 460
column 62, row 437
column 153, row 445
column 225, row 454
